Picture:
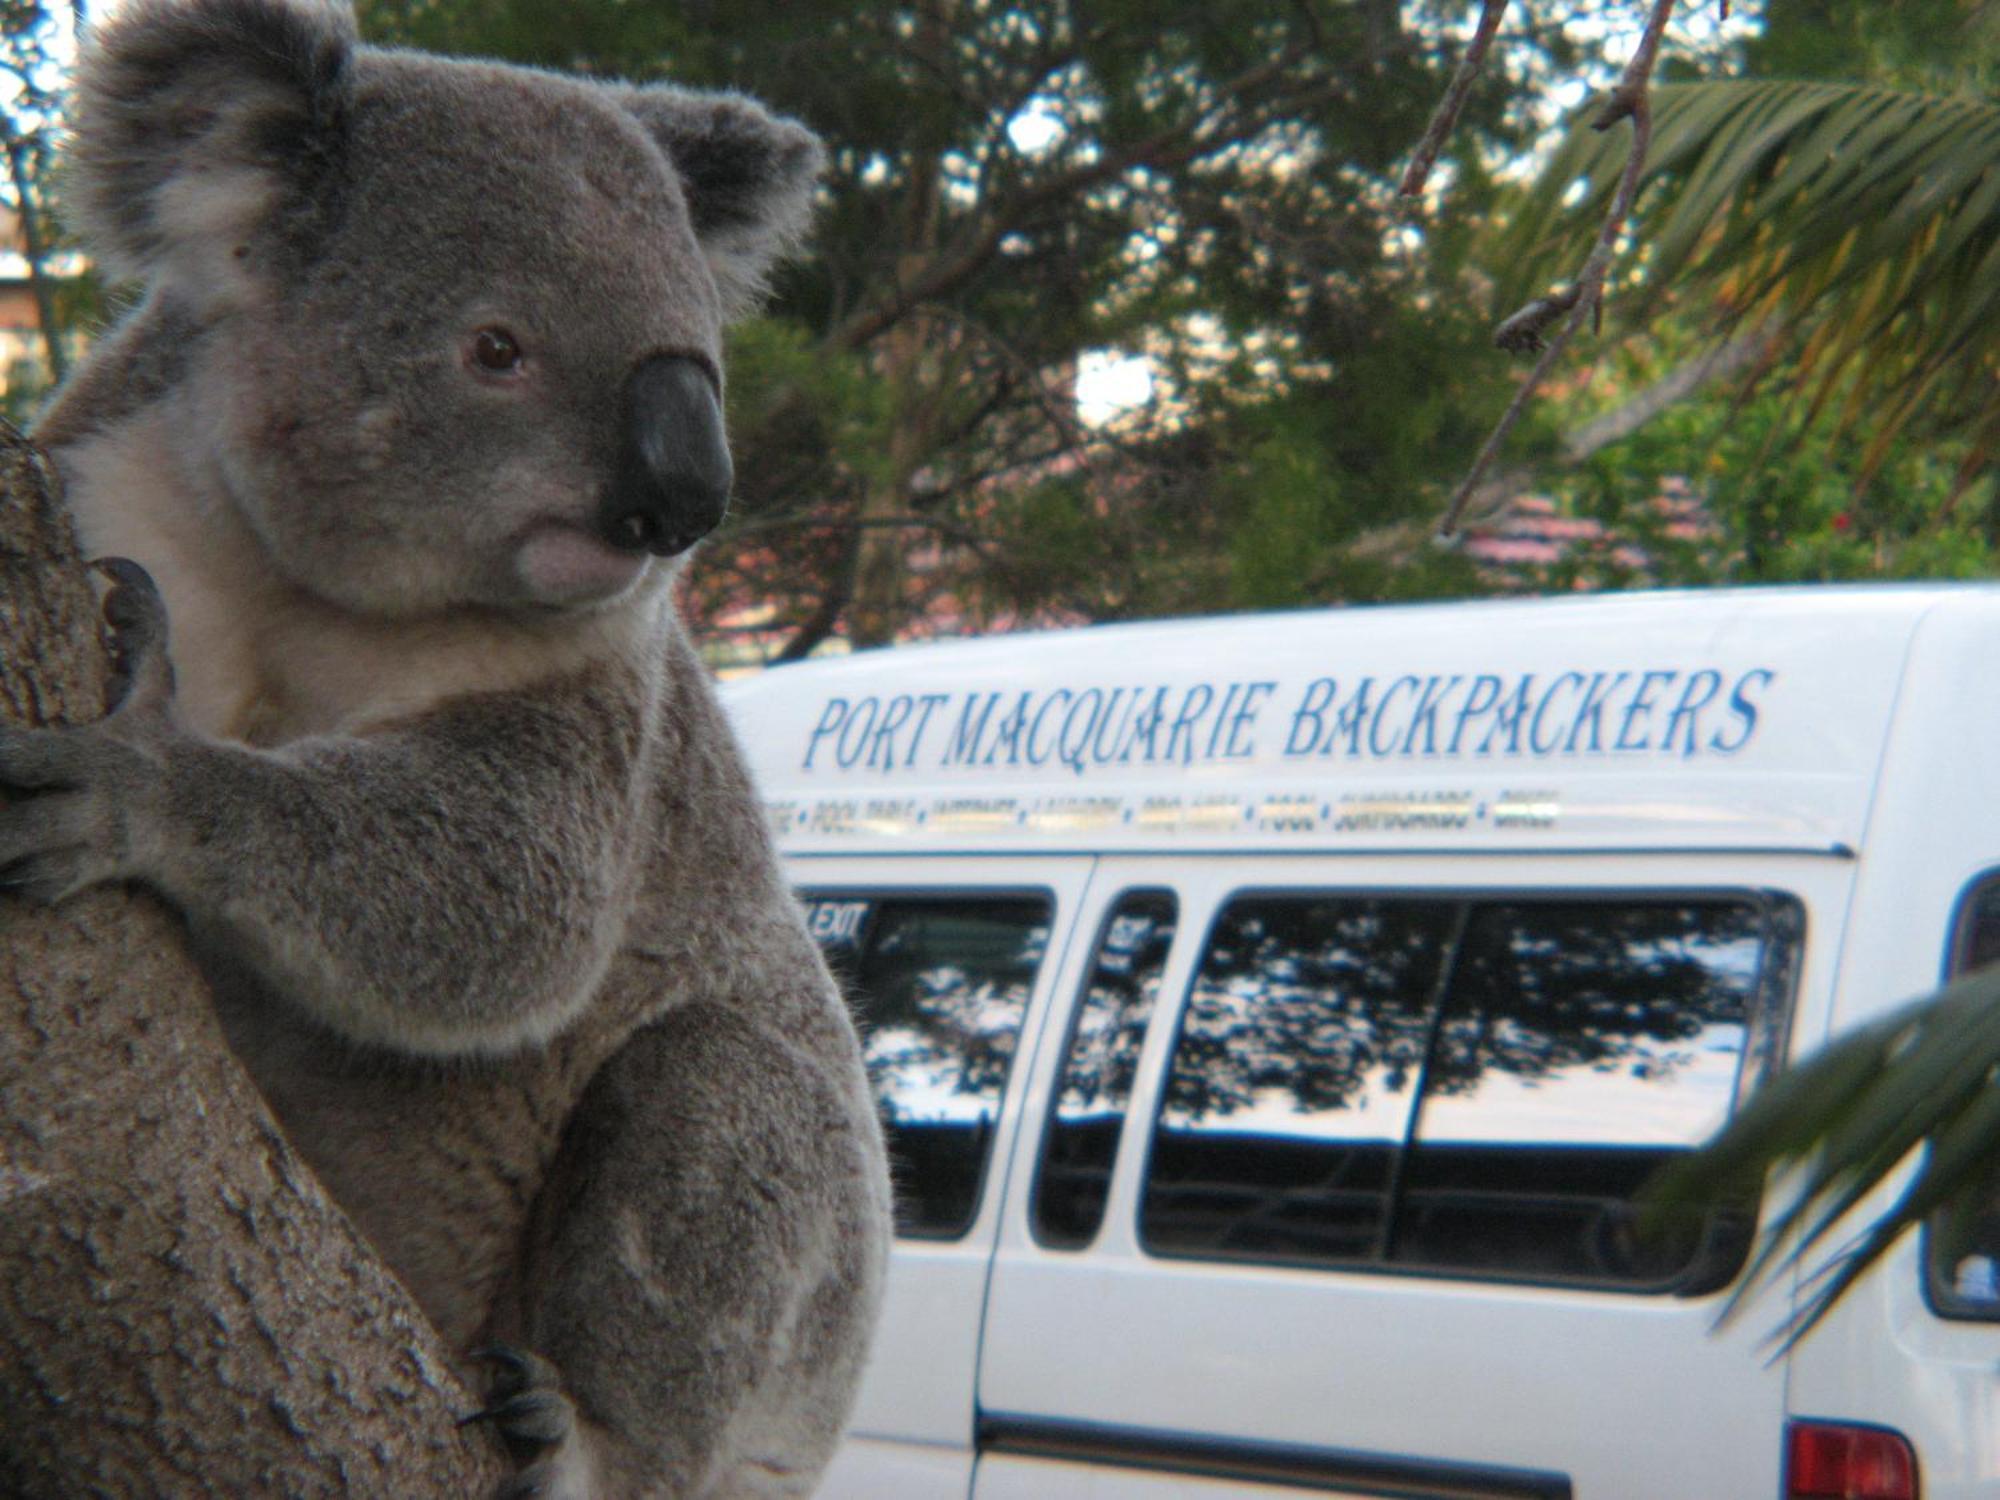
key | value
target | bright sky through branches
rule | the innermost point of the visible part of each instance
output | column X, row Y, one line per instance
column 1108, row 383
column 1034, row 130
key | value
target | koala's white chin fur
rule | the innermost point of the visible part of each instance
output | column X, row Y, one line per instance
column 563, row 564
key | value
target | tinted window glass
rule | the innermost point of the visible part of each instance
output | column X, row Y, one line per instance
column 939, row 986
column 1088, row 1114
column 1449, row 1085
column 1963, row 1243
column 1581, row 1045
column 1293, row 1079
column 1977, row 941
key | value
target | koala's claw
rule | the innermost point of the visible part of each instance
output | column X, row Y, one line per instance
column 70, row 800
column 44, row 878
column 46, row 836
column 19, row 876
column 532, row 1420
column 525, row 1404
column 135, row 635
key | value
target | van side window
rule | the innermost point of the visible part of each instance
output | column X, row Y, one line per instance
column 1294, row 1078
column 1976, row 942
column 1962, row 1242
column 1087, row 1115
column 1459, row 1087
column 939, row 986
column 1581, row 1045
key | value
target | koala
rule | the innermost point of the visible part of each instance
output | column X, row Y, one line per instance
column 417, row 413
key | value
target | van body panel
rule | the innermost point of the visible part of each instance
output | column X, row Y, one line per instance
column 875, row 1469
column 1935, row 820
column 915, row 1411
column 1011, row 1478
column 1883, row 1357
column 1150, row 1466
column 1521, row 1377
column 1934, row 829
column 1839, row 748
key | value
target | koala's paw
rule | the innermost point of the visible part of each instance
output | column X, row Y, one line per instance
column 527, row 1407
column 70, row 799
column 67, row 798
column 135, row 635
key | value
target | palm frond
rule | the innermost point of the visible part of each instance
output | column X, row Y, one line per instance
column 1847, row 1118
column 1865, row 220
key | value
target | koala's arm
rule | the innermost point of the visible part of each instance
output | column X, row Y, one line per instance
column 449, row 884
column 706, row 1262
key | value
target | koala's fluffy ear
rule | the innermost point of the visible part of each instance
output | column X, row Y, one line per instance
column 203, row 125
column 749, row 177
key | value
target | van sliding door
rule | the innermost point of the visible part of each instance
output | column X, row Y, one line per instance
column 1367, row 1226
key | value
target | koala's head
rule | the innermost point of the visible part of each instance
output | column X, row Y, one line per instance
column 458, row 324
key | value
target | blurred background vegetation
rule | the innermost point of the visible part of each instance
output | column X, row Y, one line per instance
column 1112, row 311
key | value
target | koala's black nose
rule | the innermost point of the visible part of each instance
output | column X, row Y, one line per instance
column 672, row 483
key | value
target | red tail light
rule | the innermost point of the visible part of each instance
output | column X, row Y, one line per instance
column 1842, row 1461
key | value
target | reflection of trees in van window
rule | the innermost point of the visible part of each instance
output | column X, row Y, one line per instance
column 1321, row 1105
column 1088, row 1114
column 1293, row 1078
column 1307, row 1008
column 1118, row 1001
column 939, row 987
column 1581, row 1044
column 1540, row 992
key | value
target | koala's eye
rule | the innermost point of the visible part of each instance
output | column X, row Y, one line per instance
column 497, row 350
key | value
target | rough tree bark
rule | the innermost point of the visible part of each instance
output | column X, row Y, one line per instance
column 182, row 1309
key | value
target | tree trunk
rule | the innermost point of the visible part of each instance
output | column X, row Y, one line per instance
column 183, row 1311
column 28, row 197
column 877, row 606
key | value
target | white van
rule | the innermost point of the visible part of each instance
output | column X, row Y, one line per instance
column 1275, row 1016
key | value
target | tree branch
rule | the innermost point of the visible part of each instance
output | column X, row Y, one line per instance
column 1717, row 363
column 980, row 241
column 1629, row 100
column 1445, row 120
column 28, row 200
column 820, row 624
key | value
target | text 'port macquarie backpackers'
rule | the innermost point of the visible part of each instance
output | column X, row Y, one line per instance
column 1654, row 712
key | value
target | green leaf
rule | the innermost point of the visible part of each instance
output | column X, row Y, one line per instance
column 1848, row 1118
column 1865, row 219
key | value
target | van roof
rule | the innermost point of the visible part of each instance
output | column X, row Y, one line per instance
column 1739, row 718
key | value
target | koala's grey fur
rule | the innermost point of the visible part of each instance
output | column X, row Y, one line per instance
column 435, row 777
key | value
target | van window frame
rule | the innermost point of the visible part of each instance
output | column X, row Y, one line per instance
column 1108, row 912
column 1939, row 1298
column 1772, row 1005
column 807, row 892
